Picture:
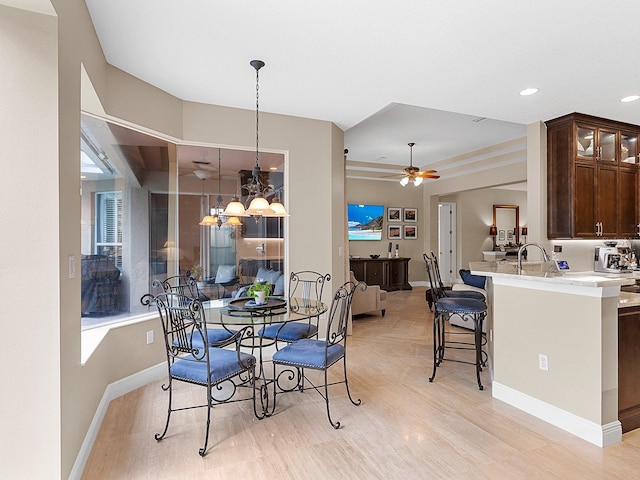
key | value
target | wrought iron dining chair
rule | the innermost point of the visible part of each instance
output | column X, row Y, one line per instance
column 187, row 288
column 320, row 355
column 306, row 287
column 220, row 370
column 469, row 309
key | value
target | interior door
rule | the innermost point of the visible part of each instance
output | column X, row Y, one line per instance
column 447, row 241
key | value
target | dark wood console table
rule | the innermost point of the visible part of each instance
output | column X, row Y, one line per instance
column 390, row 273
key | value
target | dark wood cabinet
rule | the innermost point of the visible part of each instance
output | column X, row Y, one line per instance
column 629, row 368
column 389, row 273
column 592, row 178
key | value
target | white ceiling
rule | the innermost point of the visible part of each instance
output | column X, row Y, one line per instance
column 367, row 65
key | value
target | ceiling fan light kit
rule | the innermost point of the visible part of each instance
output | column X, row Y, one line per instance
column 413, row 174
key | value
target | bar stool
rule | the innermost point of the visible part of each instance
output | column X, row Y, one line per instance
column 442, row 292
column 468, row 309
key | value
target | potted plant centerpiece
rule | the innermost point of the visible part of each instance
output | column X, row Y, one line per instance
column 259, row 291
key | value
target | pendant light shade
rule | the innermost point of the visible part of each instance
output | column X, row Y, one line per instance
column 208, row 221
column 259, row 206
column 277, row 208
column 235, row 208
column 233, row 222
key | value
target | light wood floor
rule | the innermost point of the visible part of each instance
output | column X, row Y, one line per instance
column 405, row 428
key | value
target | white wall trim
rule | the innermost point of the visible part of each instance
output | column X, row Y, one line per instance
column 600, row 435
column 113, row 390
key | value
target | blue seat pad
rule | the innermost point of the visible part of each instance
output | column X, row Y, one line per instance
column 289, row 332
column 215, row 335
column 223, row 364
column 461, row 305
column 463, row 294
column 309, row 353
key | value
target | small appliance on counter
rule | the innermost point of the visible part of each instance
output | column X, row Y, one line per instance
column 613, row 258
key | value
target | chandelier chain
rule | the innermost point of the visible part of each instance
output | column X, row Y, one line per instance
column 257, row 112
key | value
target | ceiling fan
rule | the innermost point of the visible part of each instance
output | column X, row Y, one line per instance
column 414, row 174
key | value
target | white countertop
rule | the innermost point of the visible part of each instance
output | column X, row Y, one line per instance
column 533, row 271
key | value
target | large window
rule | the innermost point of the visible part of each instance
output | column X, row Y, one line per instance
column 109, row 225
column 143, row 198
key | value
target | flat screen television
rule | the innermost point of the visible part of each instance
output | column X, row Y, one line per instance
column 364, row 222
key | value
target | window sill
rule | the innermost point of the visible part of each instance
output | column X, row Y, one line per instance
column 90, row 338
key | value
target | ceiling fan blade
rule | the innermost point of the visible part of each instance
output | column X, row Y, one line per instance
column 428, row 174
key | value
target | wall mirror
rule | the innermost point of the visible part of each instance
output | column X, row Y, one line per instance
column 506, row 218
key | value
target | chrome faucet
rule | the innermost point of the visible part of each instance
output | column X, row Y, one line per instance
column 545, row 255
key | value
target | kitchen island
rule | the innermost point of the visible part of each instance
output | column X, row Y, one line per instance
column 553, row 343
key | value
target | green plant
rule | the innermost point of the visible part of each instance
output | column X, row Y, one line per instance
column 196, row 272
column 259, row 287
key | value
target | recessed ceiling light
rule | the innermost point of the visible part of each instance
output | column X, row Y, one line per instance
column 528, row 91
column 630, row 98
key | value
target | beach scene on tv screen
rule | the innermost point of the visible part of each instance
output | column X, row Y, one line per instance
column 365, row 221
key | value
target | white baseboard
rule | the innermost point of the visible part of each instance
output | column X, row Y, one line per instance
column 600, row 435
column 113, row 390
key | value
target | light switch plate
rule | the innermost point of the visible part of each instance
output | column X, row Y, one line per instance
column 72, row 266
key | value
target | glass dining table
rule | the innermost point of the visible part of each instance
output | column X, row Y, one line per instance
column 233, row 314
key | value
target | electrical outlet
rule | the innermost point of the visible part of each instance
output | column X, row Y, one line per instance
column 543, row 362
column 149, row 337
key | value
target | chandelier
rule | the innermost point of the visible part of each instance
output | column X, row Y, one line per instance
column 258, row 191
column 215, row 214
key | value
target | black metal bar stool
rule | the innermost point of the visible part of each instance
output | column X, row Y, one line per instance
column 468, row 309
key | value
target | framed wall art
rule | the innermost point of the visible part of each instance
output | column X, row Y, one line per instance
column 410, row 214
column 394, row 232
column 394, row 214
column 410, row 232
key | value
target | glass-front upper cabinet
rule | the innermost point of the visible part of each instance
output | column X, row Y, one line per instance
column 585, row 144
column 606, row 146
column 628, row 149
column 601, row 144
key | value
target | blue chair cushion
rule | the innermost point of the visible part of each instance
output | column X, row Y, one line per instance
column 464, row 294
column 215, row 335
column 473, row 280
column 289, row 332
column 223, row 364
column 309, row 353
column 461, row 305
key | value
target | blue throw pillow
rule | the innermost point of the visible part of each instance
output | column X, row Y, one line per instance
column 473, row 280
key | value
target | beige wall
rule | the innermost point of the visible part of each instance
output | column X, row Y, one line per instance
column 30, row 275
column 391, row 194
